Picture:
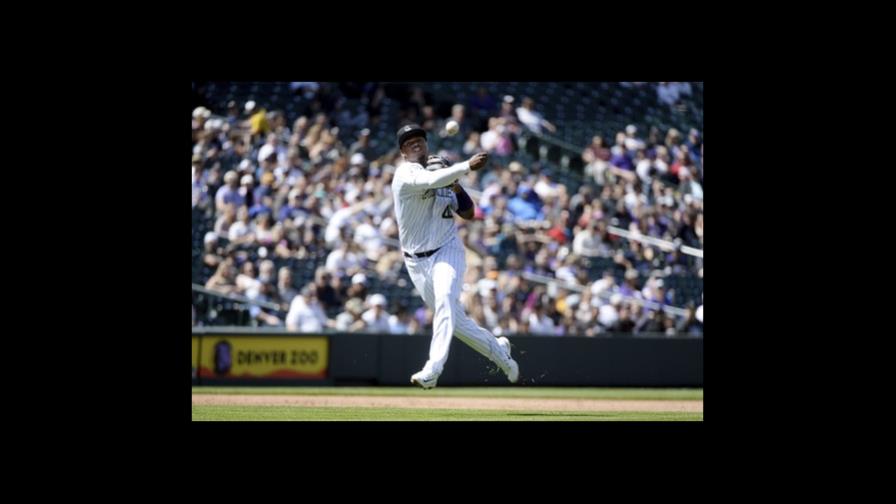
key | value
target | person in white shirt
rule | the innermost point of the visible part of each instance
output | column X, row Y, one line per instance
column 632, row 142
column 270, row 147
column 305, row 313
column 489, row 140
column 239, row 229
column 606, row 283
column 532, row 119
column 609, row 313
column 541, row 323
column 376, row 319
column 368, row 237
column 248, row 278
column 344, row 259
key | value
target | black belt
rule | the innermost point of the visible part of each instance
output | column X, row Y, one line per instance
column 422, row 254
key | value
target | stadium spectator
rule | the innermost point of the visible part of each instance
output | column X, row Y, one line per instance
column 632, row 142
column 293, row 208
column 541, row 323
column 471, row 146
column 401, row 322
column 350, row 319
column 305, row 313
column 224, row 279
column 363, row 145
column 532, row 119
column 497, row 139
column 227, row 219
column 376, row 317
column 258, row 121
column 358, row 287
column 271, row 149
column 428, row 119
column 239, row 231
column 690, row 324
column 229, row 193
column 247, row 279
column 285, row 290
column 508, row 114
column 597, row 150
column 211, row 255
column 620, row 157
column 526, row 205
column 262, row 205
column 458, row 114
column 624, row 323
column 264, row 230
column 265, row 187
column 199, row 183
column 264, row 292
column 608, row 313
column 328, row 295
column 345, row 260
column 489, row 140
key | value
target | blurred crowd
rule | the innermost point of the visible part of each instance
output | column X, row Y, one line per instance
column 301, row 220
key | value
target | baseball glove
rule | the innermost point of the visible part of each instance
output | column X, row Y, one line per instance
column 436, row 163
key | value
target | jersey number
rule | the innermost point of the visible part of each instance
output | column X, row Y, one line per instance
column 447, row 213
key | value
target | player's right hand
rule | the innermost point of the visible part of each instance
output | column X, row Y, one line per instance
column 478, row 161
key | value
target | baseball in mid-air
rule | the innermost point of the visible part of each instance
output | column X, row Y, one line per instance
column 451, row 127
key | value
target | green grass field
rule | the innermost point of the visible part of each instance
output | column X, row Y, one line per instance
column 352, row 413
column 534, row 392
column 283, row 413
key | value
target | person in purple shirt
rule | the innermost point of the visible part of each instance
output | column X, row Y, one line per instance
column 629, row 287
column 620, row 159
column 294, row 207
column 229, row 192
column 261, row 206
column 265, row 188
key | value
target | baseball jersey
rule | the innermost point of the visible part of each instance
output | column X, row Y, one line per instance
column 425, row 206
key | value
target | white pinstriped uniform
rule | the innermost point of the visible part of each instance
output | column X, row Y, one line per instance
column 424, row 224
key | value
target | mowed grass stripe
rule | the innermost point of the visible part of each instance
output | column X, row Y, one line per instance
column 511, row 391
column 290, row 413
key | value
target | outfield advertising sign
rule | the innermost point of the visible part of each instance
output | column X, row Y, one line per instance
column 195, row 370
column 241, row 357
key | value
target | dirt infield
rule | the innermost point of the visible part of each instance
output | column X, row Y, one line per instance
column 479, row 403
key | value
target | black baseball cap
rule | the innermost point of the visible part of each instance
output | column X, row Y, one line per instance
column 410, row 131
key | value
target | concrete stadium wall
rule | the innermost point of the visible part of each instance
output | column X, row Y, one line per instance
column 373, row 359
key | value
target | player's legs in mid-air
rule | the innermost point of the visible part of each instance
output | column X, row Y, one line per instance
column 438, row 279
column 483, row 341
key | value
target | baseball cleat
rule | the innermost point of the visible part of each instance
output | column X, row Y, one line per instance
column 513, row 369
column 505, row 344
column 424, row 379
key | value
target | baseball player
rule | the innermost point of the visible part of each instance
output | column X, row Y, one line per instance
column 427, row 196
